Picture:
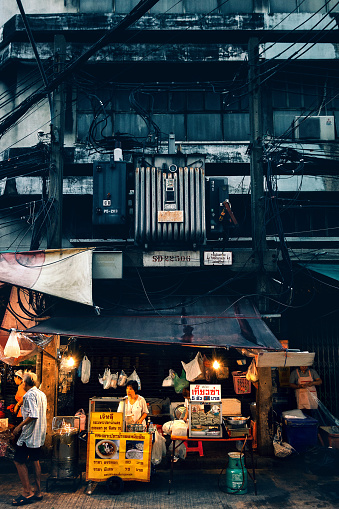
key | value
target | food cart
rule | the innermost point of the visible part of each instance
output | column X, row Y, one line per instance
column 113, row 454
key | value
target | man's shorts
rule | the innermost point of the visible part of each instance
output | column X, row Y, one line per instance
column 22, row 453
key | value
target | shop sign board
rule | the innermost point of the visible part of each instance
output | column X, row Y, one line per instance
column 205, row 393
column 103, row 422
column 171, row 259
column 217, row 258
column 126, row 455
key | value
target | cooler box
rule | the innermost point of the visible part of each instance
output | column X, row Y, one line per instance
column 301, row 433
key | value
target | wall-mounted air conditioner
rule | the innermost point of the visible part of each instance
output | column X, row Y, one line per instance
column 314, row 128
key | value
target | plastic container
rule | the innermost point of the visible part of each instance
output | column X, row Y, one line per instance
column 301, row 433
column 236, row 474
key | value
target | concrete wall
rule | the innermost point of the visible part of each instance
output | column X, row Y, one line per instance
column 9, row 9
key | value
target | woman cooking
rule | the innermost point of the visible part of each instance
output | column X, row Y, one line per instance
column 135, row 405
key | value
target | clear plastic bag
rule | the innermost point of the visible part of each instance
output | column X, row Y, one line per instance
column 169, row 380
column 167, row 427
column 106, row 379
column 114, row 380
column 134, row 376
column 85, row 370
column 158, row 448
column 122, row 380
column 179, row 428
column 180, row 451
column 252, row 372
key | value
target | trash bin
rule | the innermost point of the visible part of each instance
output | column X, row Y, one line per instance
column 301, row 433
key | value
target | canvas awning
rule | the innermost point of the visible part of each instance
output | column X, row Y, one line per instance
column 65, row 273
column 208, row 322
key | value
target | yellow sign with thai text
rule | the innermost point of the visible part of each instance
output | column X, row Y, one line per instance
column 106, row 422
column 126, row 455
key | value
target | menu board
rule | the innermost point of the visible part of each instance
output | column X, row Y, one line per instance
column 114, row 453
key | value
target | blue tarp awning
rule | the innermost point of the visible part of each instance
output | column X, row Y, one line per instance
column 209, row 322
column 330, row 270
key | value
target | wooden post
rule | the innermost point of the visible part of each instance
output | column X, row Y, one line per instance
column 50, row 384
column 264, row 406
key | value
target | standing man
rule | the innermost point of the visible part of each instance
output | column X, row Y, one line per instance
column 32, row 438
column 304, row 380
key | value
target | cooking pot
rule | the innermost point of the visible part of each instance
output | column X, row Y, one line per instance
column 237, row 422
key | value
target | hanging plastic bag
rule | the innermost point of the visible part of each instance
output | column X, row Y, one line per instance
column 82, row 415
column 194, row 369
column 252, row 372
column 114, row 380
column 158, row 448
column 180, row 383
column 169, row 380
column 180, row 450
column 122, row 380
column 85, row 370
column 106, row 379
column 134, row 376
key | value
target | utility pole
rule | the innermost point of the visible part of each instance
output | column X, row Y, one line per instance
column 55, row 194
column 259, row 246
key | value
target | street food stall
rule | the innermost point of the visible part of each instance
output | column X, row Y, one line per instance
column 207, row 423
column 115, row 455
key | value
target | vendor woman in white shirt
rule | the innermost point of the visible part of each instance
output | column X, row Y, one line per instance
column 136, row 409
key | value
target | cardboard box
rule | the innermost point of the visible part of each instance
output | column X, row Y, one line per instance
column 231, row 406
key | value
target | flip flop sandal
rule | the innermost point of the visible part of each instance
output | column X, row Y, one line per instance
column 21, row 500
column 38, row 498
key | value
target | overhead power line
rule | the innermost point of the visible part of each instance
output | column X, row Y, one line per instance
column 139, row 10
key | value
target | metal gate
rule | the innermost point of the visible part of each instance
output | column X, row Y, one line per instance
column 324, row 341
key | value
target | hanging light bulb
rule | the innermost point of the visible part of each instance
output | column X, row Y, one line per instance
column 216, row 365
column 12, row 348
column 70, row 362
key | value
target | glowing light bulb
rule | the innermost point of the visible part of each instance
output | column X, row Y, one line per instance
column 70, row 362
column 216, row 365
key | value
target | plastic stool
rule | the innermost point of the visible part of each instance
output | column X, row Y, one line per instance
column 198, row 449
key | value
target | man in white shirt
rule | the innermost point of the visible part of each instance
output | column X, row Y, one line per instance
column 31, row 440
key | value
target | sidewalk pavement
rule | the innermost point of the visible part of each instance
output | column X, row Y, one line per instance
column 281, row 483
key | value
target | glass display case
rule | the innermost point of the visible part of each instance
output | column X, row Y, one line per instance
column 205, row 411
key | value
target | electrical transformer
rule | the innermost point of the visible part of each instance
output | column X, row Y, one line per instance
column 170, row 205
column 109, row 193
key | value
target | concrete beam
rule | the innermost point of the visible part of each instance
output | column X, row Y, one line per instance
column 238, row 185
column 173, row 53
column 270, row 25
